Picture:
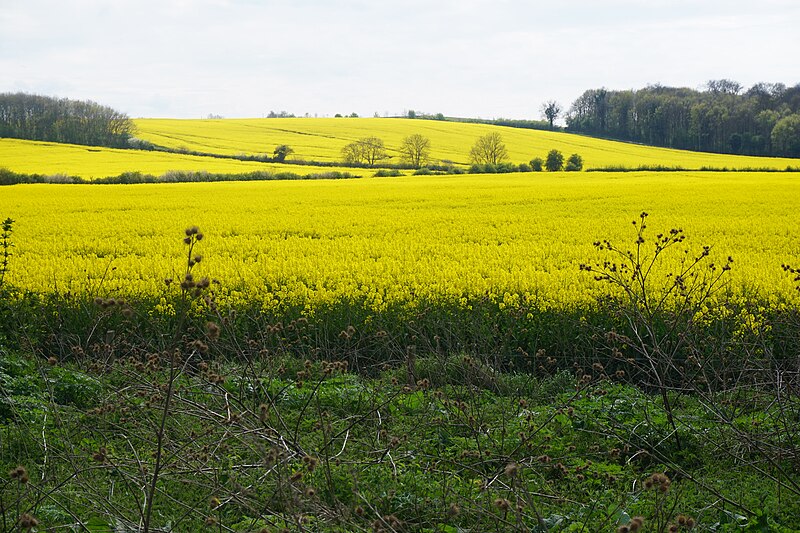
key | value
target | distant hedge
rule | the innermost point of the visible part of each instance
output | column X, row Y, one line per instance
column 7, row 177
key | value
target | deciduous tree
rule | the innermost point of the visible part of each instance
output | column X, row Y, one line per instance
column 489, row 149
column 281, row 152
column 786, row 136
column 415, row 149
column 554, row 161
column 551, row 110
column 368, row 151
column 574, row 163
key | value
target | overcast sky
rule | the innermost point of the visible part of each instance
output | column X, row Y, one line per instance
column 476, row 58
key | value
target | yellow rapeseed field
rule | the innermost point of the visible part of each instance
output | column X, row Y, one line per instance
column 34, row 157
column 517, row 236
column 321, row 139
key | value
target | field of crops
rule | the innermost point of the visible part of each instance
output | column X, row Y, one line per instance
column 322, row 140
column 389, row 241
column 424, row 352
column 88, row 162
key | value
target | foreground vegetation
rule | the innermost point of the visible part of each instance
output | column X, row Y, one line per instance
column 671, row 416
column 272, row 441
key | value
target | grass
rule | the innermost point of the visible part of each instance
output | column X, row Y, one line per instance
column 254, row 446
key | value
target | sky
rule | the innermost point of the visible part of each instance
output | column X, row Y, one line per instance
column 466, row 58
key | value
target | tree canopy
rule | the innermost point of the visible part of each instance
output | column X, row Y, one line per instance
column 722, row 118
column 489, row 149
column 42, row 118
column 366, row 151
column 554, row 161
column 786, row 136
column 281, row 152
column 551, row 110
column 416, row 150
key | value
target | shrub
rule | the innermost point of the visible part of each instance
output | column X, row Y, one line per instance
column 574, row 163
column 388, row 173
column 537, row 164
column 554, row 161
column 281, row 152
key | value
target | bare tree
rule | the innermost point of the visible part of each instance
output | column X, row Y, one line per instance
column 489, row 149
column 551, row 110
column 724, row 86
column 416, row 149
column 373, row 149
column 368, row 150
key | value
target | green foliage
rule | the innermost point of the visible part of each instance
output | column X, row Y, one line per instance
column 8, row 177
column 537, row 164
column 721, row 119
column 370, row 451
column 554, row 161
column 491, row 168
column 574, row 163
column 786, row 136
column 388, row 173
column 43, row 118
column 281, row 152
column 73, row 388
column 21, row 392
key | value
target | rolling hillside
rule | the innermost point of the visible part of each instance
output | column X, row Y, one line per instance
column 89, row 162
column 321, row 139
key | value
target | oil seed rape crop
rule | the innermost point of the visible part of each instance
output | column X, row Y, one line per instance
column 34, row 157
column 321, row 139
column 516, row 238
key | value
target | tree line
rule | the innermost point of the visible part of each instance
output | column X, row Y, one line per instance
column 488, row 155
column 724, row 118
column 43, row 118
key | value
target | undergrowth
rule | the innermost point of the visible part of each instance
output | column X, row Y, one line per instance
column 655, row 413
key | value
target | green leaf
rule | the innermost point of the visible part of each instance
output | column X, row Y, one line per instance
column 98, row 525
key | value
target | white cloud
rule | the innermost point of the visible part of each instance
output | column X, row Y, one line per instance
column 468, row 57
